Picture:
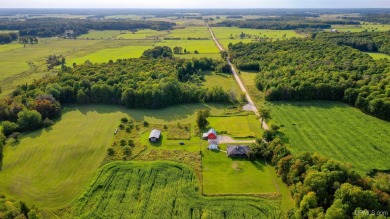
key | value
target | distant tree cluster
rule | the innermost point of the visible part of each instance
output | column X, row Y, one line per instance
column 28, row 40
column 284, row 23
column 323, row 188
column 55, row 60
column 49, row 27
column 304, row 69
column 8, row 37
column 363, row 41
column 380, row 18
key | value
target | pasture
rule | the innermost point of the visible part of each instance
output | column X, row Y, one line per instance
column 335, row 130
column 159, row 190
column 226, row 81
column 190, row 31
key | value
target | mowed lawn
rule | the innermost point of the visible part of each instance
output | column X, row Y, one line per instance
column 335, row 130
column 224, row 175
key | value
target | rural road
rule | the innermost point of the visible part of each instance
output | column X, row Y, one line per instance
column 238, row 79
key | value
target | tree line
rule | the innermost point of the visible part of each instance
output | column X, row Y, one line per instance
column 135, row 83
column 284, row 23
column 321, row 187
column 363, row 41
column 306, row 69
column 49, row 27
column 6, row 38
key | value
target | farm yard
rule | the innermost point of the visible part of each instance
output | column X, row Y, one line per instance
column 159, row 190
column 335, row 130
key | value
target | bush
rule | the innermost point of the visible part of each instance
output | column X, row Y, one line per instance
column 146, row 124
column 127, row 150
column 123, row 142
column 47, row 122
column 124, row 120
column 9, row 127
column 110, row 152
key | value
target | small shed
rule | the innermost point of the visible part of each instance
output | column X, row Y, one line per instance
column 211, row 134
column 213, row 147
column 238, row 150
column 154, row 135
column 213, row 144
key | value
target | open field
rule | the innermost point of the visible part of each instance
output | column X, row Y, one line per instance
column 228, row 35
column 224, row 175
column 7, row 47
column 84, row 132
column 378, row 55
column 237, row 126
column 226, row 81
column 204, row 47
column 190, row 31
column 159, row 190
column 105, row 55
column 335, row 130
column 359, row 28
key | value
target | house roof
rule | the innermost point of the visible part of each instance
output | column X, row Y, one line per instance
column 237, row 150
column 155, row 133
column 213, row 141
column 212, row 131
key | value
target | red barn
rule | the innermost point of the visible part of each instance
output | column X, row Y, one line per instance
column 211, row 134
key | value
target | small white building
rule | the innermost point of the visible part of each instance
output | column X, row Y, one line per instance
column 213, row 144
column 154, row 135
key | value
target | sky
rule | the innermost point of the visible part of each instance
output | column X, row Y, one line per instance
column 195, row 4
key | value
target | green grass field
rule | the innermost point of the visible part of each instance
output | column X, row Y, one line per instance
column 7, row 47
column 105, row 55
column 224, row 175
column 237, row 126
column 226, row 81
column 68, row 154
column 204, row 47
column 159, row 190
column 359, row 28
column 190, row 31
column 100, row 34
column 377, row 56
column 335, row 130
column 228, row 35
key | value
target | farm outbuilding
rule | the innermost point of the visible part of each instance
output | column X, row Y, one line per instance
column 154, row 135
column 238, row 150
column 211, row 134
column 213, row 144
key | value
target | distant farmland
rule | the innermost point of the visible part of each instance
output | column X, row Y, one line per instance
column 159, row 190
column 335, row 130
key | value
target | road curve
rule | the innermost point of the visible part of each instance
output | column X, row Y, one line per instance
column 239, row 82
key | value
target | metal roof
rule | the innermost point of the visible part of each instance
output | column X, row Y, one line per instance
column 237, row 149
column 155, row 133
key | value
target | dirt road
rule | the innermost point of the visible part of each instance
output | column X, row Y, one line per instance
column 239, row 82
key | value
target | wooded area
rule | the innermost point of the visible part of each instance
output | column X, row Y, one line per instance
column 304, row 69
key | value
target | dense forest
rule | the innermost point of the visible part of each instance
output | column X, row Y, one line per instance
column 380, row 18
column 8, row 37
column 284, row 23
column 363, row 41
column 49, row 27
column 10, row 208
column 146, row 82
column 324, row 188
column 305, row 69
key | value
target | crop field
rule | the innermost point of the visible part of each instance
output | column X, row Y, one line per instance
column 335, row 130
column 228, row 35
column 159, row 190
column 377, row 56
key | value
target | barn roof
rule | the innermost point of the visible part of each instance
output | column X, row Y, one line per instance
column 155, row 133
column 212, row 131
column 234, row 150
